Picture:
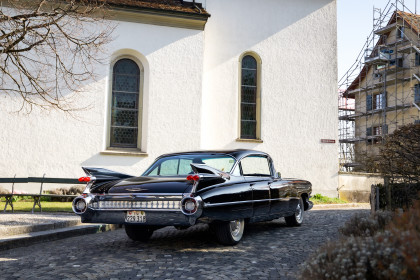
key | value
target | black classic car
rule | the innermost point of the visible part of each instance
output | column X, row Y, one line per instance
column 225, row 189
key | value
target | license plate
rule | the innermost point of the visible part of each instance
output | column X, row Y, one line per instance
column 135, row 217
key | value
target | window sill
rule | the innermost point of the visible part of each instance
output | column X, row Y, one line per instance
column 124, row 152
column 249, row 140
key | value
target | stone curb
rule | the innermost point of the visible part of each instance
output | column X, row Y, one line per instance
column 22, row 240
column 17, row 230
column 341, row 206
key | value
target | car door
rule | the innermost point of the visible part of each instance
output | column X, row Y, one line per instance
column 280, row 195
column 257, row 172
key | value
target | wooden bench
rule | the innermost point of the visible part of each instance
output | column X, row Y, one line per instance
column 37, row 196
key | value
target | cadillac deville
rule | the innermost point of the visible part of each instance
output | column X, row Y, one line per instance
column 226, row 189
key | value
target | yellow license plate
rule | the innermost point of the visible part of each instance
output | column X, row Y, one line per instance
column 135, row 217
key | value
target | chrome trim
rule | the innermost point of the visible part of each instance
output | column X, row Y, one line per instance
column 207, row 205
column 130, row 202
column 138, row 198
column 141, row 194
column 136, row 189
column 135, row 204
column 88, row 187
column 184, row 211
column 87, row 200
column 199, row 209
column 137, row 209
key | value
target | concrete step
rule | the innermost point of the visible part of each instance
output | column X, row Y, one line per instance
column 21, row 240
column 22, row 229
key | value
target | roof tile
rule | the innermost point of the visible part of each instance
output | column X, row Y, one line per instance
column 162, row 5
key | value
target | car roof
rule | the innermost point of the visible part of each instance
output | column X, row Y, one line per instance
column 236, row 153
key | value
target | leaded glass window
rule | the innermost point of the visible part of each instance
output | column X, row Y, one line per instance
column 249, row 91
column 125, row 104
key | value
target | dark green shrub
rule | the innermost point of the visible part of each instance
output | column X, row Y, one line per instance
column 74, row 190
column 355, row 258
column 393, row 253
column 366, row 224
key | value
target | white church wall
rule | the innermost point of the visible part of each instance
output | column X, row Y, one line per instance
column 296, row 41
column 58, row 145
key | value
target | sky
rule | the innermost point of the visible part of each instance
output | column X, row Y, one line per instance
column 355, row 22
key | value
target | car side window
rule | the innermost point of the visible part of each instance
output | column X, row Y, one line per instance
column 255, row 166
column 169, row 167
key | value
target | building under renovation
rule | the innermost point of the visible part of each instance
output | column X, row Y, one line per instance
column 381, row 92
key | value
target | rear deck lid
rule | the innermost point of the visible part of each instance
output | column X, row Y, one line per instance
column 152, row 185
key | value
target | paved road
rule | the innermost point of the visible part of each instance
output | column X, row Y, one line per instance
column 268, row 250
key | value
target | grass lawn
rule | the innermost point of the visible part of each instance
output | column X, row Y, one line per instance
column 320, row 199
column 47, row 206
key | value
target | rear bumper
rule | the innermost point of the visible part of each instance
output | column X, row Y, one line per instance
column 155, row 218
column 160, row 210
column 310, row 205
column 307, row 204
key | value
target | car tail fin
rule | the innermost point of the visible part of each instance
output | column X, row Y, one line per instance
column 99, row 177
column 209, row 172
column 102, row 174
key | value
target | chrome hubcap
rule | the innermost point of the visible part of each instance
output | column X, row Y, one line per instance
column 237, row 229
column 299, row 213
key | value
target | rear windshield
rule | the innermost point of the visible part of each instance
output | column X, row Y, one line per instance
column 180, row 165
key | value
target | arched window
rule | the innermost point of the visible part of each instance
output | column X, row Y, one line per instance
column 249, row 98
column 125, row 107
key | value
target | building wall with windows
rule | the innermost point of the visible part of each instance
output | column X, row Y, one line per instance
column 294, row 43
column 388, row 95
column 261, row 75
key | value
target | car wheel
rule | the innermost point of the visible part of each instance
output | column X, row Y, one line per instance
column 297, row 218
column 229, row 233
column 138, row 233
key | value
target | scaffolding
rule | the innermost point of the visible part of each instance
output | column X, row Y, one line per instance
column 381, row 90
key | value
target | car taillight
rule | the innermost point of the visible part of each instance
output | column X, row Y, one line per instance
column 189, row 206
column 193, row 177
column 84, row 179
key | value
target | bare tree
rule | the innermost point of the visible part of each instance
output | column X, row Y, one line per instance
column 49, row 50
column 399, row 157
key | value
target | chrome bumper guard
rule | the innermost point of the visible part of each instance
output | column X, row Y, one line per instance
column 160, row 210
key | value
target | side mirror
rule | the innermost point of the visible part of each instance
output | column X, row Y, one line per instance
column 278, row 175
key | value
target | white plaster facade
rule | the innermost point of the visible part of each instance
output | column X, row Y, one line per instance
column 191, row 95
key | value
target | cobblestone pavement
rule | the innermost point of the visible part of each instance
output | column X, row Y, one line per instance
column 268, row 250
